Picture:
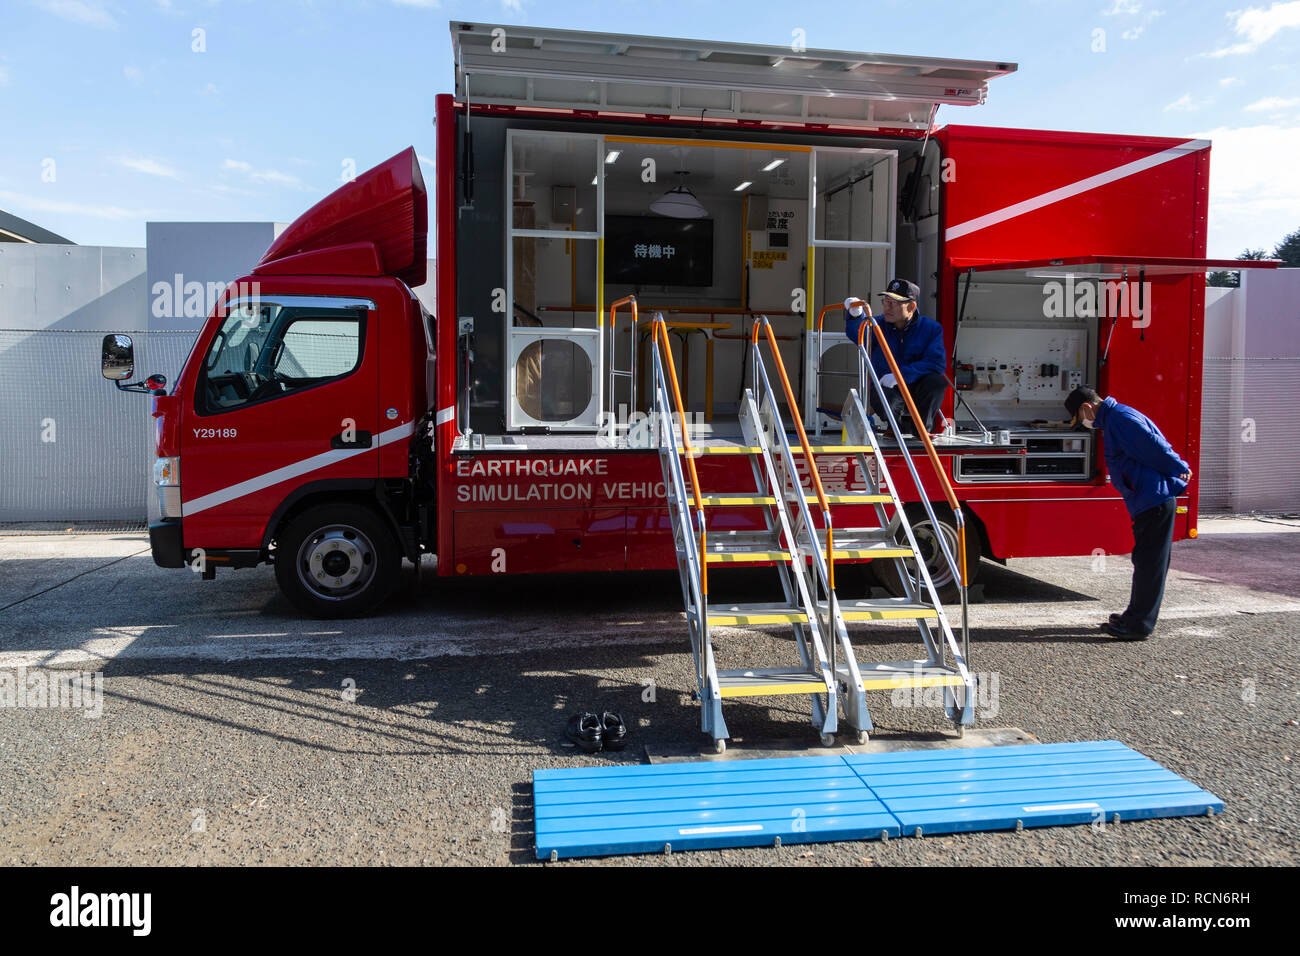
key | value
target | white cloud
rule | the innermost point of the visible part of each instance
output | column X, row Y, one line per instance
column 426, row 4
column 1256, row 26
column 428, row 161
column 19, row 201
column 1133, row 34
column 89, row 13
column 1185, row 103
column 1251, row 206
column 1271, row 103
column 1122, row 7
column 512, row 6
column 4, row 75
column 151, row 167
column 134, row 74
column 1229, row 81
column 263, row 176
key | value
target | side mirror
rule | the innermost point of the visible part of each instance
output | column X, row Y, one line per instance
column 117, row 358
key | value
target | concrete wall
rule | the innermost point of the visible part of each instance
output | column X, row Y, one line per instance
column 75, row 447
column 1250, row 450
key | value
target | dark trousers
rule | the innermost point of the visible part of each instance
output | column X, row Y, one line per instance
column 1153, row 541
column 927, row 392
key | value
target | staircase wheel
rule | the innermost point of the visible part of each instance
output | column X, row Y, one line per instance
column 828, row 740
column 863, row 737
column 719, row 746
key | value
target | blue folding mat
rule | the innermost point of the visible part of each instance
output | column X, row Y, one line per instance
column 600, row 811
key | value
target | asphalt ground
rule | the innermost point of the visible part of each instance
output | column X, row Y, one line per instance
column 232, row 731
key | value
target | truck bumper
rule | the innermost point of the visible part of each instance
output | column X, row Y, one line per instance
column 165, row 542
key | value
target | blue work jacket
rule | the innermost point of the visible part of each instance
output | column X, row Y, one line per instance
column 1142, row 464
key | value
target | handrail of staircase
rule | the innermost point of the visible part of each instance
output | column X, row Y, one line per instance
column 958, row 566
column 761, row 321
column 631, row 372
column 659, row 329
column 704, row 665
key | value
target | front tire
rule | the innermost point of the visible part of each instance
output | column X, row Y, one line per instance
column 337, row 560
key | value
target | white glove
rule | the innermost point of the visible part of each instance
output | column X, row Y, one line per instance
column 853, row 309
column 889, row 381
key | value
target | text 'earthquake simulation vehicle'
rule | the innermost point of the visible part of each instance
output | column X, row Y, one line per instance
column 637, row 357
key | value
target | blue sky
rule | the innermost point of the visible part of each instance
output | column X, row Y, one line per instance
column 109, row 117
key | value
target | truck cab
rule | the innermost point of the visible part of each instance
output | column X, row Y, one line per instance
column 288, row 436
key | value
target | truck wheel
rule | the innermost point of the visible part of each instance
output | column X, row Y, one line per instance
column 945, row 583
column 336, row 560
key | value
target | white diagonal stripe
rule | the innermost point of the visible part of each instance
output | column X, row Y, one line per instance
column 1073, row 189
column 445, row 415
column 306, row 466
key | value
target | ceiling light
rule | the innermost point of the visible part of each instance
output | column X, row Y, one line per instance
column 613, row 155
column 745, row 185
column 772, row 165
column 679, row 203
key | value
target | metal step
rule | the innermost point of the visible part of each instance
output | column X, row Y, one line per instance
column 754, row 450
column 737, row 557
column 884, row 609
column 738, row 615
column 767, row 681
column 888, row 675
column 853, row 498
column 727, row 547
column 736, row 499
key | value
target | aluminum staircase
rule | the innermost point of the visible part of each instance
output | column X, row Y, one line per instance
column 801, row 541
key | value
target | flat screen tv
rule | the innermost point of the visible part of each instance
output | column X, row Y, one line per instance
column 657, row 250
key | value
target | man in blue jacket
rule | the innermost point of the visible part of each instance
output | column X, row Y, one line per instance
column 1149, row 476
column 917, row 344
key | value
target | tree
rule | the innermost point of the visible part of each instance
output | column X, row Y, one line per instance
column 1288, row 250
column 1230, row 280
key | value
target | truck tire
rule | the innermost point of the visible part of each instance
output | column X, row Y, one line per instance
column 337, row 560
column 940, row 572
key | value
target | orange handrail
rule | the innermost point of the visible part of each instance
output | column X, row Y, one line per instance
column 659, row 328
column 924, row 429
column 631, row 373
column 627, row 299
column 803, row 442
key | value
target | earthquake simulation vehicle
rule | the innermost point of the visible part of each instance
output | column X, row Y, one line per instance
column 611, row 210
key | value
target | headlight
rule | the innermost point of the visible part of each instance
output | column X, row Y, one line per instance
column 167, row 477
column 167, row 471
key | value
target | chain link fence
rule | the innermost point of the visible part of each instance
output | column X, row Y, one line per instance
column 75, row 448
column 1250, row 446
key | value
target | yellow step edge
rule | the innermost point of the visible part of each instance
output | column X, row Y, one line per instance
column 852, row 499
column 717, row 501
column 838, row 449
column 888, row 614
column 724, row 619
column 933, row 680
column 737, row 556
column 853, row 553
column 723, row 450
column 766, row 690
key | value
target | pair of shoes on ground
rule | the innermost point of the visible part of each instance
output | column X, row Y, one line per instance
column 592, row 732
column 1121, row 630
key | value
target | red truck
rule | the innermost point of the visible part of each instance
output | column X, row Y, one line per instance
column 327, row 423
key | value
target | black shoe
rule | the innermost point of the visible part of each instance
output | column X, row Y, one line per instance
column 1118, row 620
column 585, row 731
column 614, row 731
column 1122, row 632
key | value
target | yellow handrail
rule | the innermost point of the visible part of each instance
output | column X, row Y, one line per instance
column 659, row 328
column 803, row 442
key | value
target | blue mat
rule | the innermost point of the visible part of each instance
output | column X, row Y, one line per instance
column 599, row 811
